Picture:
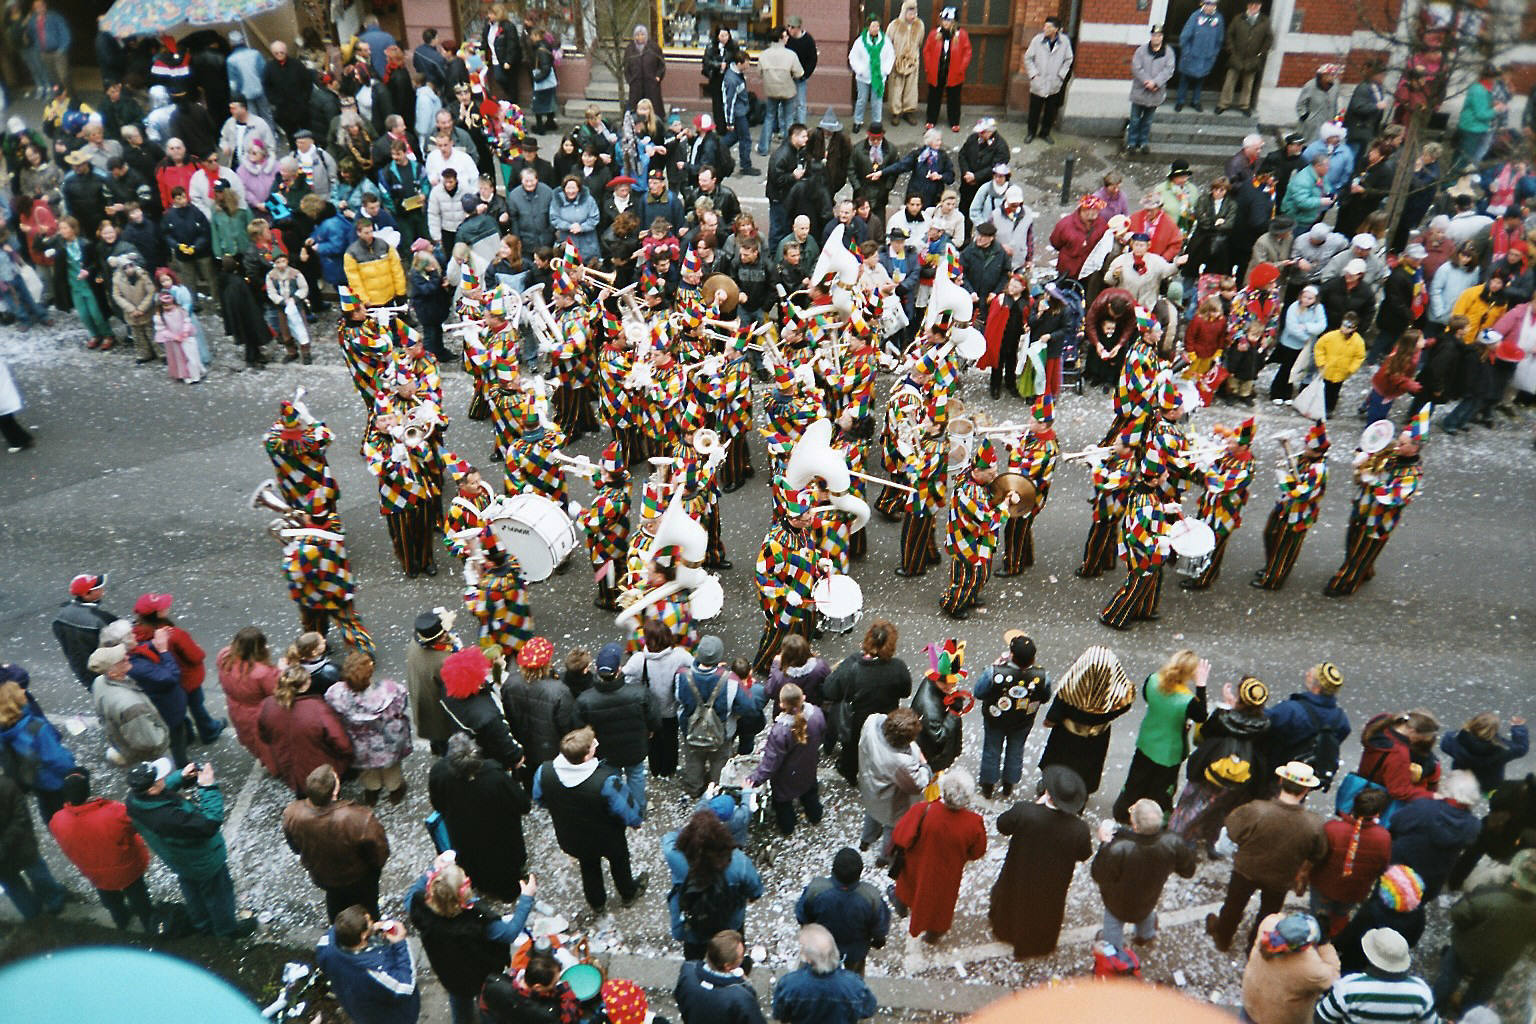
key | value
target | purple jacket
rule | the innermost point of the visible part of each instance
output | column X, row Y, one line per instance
column 789, row 766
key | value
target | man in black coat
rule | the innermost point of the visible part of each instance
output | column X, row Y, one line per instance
column 623, row 717
column 1348, row 293
column 986, row 268
column 1131, row 867
column 287, row 84
column 78, row 624
column 980, row 152
column 869, row 155
column 590, row 807
column 786, row 168
column 712, row 188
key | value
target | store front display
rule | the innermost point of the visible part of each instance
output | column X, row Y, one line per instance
column 688, row 25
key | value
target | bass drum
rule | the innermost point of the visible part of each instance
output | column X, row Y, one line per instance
column 840, row 601
column 707, row 599
column 534, row 530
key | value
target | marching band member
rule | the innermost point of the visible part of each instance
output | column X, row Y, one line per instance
column 903, row 410
column 1141, row 381
column 927, row 470
column 615, row 405
column 1112, row 480
column 1035, row 456
column 975, row 520
column 790, row 409
column 496, row 596
column 855, row 439
column 648, row 570
column 734, row 418
column 786, row 570
column 492, row 360
column 320, row 581
column 606, row 524
column 1226, row 492
column 363, row 346
column 1143, row 544
column 663, row 397
column 465, row 515
column 531, row 463
column 408, row 499
column 1387, row 482
column 1302, row 486
column 701, row 489
column 296, row 446
column 572, row 358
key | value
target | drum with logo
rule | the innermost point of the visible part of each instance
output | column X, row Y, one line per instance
column 534, row 530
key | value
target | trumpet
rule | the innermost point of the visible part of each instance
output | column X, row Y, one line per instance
column 1094, row 454
column 583, row 465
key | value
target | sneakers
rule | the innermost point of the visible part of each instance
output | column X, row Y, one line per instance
column 642, row 880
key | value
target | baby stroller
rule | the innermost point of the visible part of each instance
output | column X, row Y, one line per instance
column 1071, row 349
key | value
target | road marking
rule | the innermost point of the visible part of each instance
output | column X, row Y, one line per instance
column 234, row 824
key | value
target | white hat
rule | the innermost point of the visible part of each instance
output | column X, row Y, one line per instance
column 15, row 126
column 1013, row 195
column 1252, row 140
column 1386, row 949
column 1318, row 232
column 1003, row 169
column 985, row 124
column 1415, row 252
column 1355, row 266
column 1333, row 130
column 1298, row 773
column 1440, row 222
column 1363, row 241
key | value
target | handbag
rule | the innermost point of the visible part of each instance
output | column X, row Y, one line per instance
column 437, row 829
column 1310, row 402
column 899, row 853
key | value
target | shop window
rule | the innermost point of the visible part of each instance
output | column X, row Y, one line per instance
column 688, row 25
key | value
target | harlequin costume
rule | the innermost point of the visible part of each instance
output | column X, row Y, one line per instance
column 786, row 570
column 408, row 499
column 701, row 491
column 465, row 513
column 572, row 360
column 903, row 410
column 975, row 520
column 1142, row 546
column 495, row 595
column 531, row 464
column 1112, row 480
column 1383, row 493
column 1301, row 493
column 674, row 612
column 1034, row 456
column 296, row 447
column 1140, row 378
column 605, row 523
column 320, row 583
column 1222, row 501
column 365, row 348
column 735, row 414
column 492, row 361
column 927, row 471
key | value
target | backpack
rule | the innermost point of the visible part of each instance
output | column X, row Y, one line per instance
column 706, row 907
column 1322, row 750
column 705, row 729
column 725, row 163
column 35, row 752
column 1229, row 762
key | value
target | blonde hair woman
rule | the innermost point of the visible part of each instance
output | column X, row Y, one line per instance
column 1175, row 696
column 789, row 759
column 302, row 730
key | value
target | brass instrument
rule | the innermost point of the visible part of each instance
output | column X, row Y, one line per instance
column 289, row 524
column 1093, row 455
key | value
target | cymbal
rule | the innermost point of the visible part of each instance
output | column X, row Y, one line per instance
column 1013, row 483
column 722, row 283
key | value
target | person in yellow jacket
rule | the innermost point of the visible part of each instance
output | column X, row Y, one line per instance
column 1482, row 305
column 374, row 272
column 1338, row 355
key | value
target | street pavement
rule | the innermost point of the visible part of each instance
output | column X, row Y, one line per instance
column 147, row 479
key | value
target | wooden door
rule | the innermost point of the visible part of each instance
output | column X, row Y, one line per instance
column 987, row 22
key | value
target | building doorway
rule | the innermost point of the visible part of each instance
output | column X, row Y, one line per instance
column 988, row 23
column 1180, row 11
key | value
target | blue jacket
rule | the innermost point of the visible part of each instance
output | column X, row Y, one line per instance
column 857, row 915
column 1303, row 325
column 564, row 213
column 160, row 679
column 332, row 236
column 1341, row 165
column 1200, row 45
column 733, row 93
column 740, row 876
column 34, row 738
column 1290, row 725
column 186, row 225
column 704, row 997
column 1428, row 835
column 668, row 206
column 804, row 997
column 56, row 35
column 1484, row 758
column 243, row 67
column 376, row 984
column 705, row 681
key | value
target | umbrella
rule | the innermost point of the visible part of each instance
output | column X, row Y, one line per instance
column 174, row 17
column 86, row 984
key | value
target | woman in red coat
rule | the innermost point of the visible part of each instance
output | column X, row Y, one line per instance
column 148, row 616
column 1007, row 317
column 947, row 56
column 248, row 677
column 97, row 837
column 939, row 837
column 302, row 730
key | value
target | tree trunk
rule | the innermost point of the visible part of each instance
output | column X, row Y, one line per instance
column 1402, row 177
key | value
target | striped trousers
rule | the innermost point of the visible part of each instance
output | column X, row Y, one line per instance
column 567, row 402
column 918, row 547
column 776, row 630
column 858, row 544
column 1136, row 599
column 966, row 578
column 738, row 463
column 1282, row 545
column 411, row 534
column 714, row 553
column 318, row 620
column 632, row 444
column 890, row 503
column 1213, row 570
column 1360, row 553
column 1099, row 550
column 1018, row 544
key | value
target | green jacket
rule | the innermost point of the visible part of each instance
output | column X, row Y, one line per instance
column 1476, row 110
column 182, row 830
column 229, row 237
column 1303, row 201
column 1164, row 734
column 1492, row 926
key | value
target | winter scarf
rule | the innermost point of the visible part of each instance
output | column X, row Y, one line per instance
column 876, row 75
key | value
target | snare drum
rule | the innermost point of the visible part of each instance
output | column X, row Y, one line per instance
column 1193, row 538
column 534, row 530
column 840, row 602
column 707, row 599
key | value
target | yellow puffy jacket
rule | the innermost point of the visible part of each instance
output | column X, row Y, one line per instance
column 1338, row 355
column 374, row 272
column 1481, row 310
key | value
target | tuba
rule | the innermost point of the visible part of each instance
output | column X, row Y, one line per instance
column 675, row 529
column 813, row 457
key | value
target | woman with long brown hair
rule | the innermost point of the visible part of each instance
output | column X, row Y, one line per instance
column 789, row 759
column 248, row 676
column 712, row 881
column 873, row 682
column 373, row 713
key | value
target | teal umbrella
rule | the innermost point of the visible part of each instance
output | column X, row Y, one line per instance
column 119, row 985
column 176, row 17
